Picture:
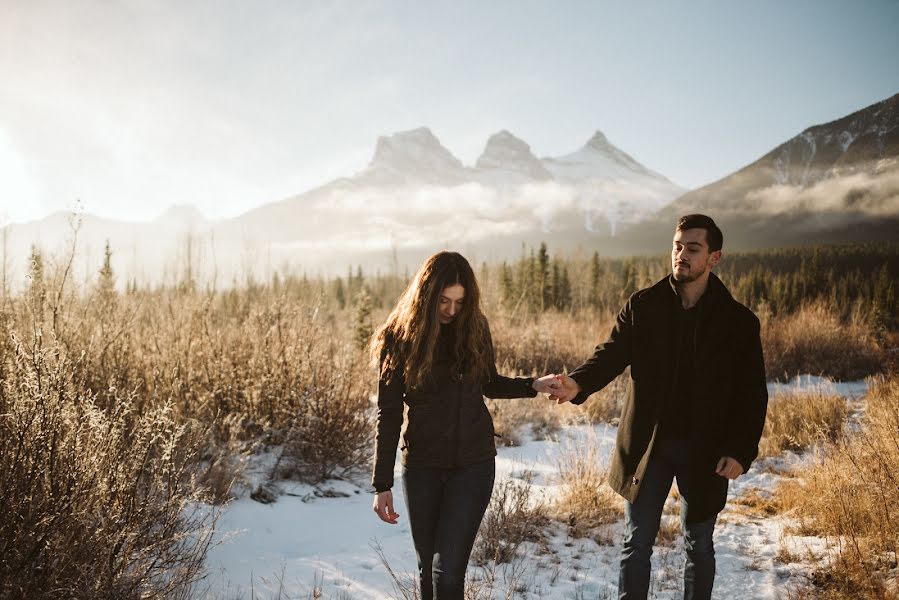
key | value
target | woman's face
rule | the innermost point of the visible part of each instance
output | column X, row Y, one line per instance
column 450, row 303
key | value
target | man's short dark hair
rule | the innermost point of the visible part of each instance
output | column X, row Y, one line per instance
column 713, row 235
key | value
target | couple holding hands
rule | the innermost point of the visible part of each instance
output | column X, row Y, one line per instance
column 694, row 412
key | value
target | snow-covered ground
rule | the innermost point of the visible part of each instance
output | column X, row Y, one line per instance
column 321, row 542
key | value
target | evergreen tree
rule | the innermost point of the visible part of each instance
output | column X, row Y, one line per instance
column 595, row 275
column 37, row 292
column 106, row 281
column 339, row 293
column 563, row 294
column 630, row 284
column 507, row 281
column 542, row 279
column 362, row 325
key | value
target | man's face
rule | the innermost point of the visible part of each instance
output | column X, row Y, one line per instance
column 690, row 256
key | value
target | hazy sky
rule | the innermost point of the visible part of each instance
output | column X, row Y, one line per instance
column 133, row 106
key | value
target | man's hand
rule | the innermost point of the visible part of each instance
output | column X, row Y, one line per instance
column 729, row 467
column 560, row 388
column 548, row 384
column 383, row 507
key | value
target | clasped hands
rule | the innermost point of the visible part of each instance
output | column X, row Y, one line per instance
column 563, row 388
column 560, row 388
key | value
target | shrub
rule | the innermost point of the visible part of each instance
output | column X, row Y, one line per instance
column 796, row 420
column 512, row 518
column 584, row 501
column 553, row 342
column 815, row 340
column 605, row 405
column 96, row 504
column 542, row 416
column 851, row 495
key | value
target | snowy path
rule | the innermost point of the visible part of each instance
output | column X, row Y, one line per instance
column 302, row 543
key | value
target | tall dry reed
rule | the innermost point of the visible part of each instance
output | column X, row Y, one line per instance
column 97, row 503
column 816, row 340
column 850, row 495
column 796, row 420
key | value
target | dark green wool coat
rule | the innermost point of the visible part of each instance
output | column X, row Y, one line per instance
column 448, row 423
column 729, row 397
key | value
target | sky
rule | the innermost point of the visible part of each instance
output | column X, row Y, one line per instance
column 129, row 107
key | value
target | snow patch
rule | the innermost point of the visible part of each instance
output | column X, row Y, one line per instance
column 312, row 540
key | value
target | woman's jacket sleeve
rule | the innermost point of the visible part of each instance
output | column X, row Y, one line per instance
column 389, row 424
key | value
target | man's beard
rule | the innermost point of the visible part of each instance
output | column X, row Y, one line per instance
column 691, row 274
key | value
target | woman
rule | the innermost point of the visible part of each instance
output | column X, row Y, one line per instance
column 435, row 354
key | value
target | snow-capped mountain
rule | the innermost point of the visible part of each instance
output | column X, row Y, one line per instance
column 862, row 143
column 855, row 142
column 507, row 160
column 832, row 183
column 416, row 158
column 597, row 187
column 415, row 193
column 599, row 159
column 410, row 158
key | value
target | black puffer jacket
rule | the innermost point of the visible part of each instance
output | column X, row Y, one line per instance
column 449, row 424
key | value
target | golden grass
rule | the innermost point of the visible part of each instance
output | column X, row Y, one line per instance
column 539, row 416
column 118, row 411
column 96, row 503
column 552, row 342
column 513, row 518
column 850, row 495
column 816, row 340
column 755, row 503
column 669, row 531
column 584, row 501
column 796, row 420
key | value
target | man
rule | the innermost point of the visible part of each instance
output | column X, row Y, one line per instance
column 695, row 408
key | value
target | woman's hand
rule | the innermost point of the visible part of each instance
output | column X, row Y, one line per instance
column 383, row 507
column 548, row 384
column 560, row 388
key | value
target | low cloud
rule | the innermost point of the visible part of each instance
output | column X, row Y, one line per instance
column 874, row 194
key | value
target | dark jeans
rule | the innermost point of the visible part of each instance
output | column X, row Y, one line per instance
column 445, row 508
column 669, row 460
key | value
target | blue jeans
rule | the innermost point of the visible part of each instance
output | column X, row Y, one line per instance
column 445, row 508
column 670, row 459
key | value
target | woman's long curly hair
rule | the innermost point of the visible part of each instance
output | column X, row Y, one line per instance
column 409, row 337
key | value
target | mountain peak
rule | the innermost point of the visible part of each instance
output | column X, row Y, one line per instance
column 504, row 136
column 507, row 152
column 852, row 143
column 415, row 154
column 599, row 141
column 599, row 144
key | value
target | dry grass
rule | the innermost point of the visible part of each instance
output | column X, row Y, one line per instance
column 551, row 342
column 584, row 501
column 121, row 412
column 540, row 416
column 816, row 340
column 605, row 405
column 851, row 496
column 755, row 502
column 669, row 531
column 97, row 503
column 796, row 420
column 513, row 518
column 249, row 365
